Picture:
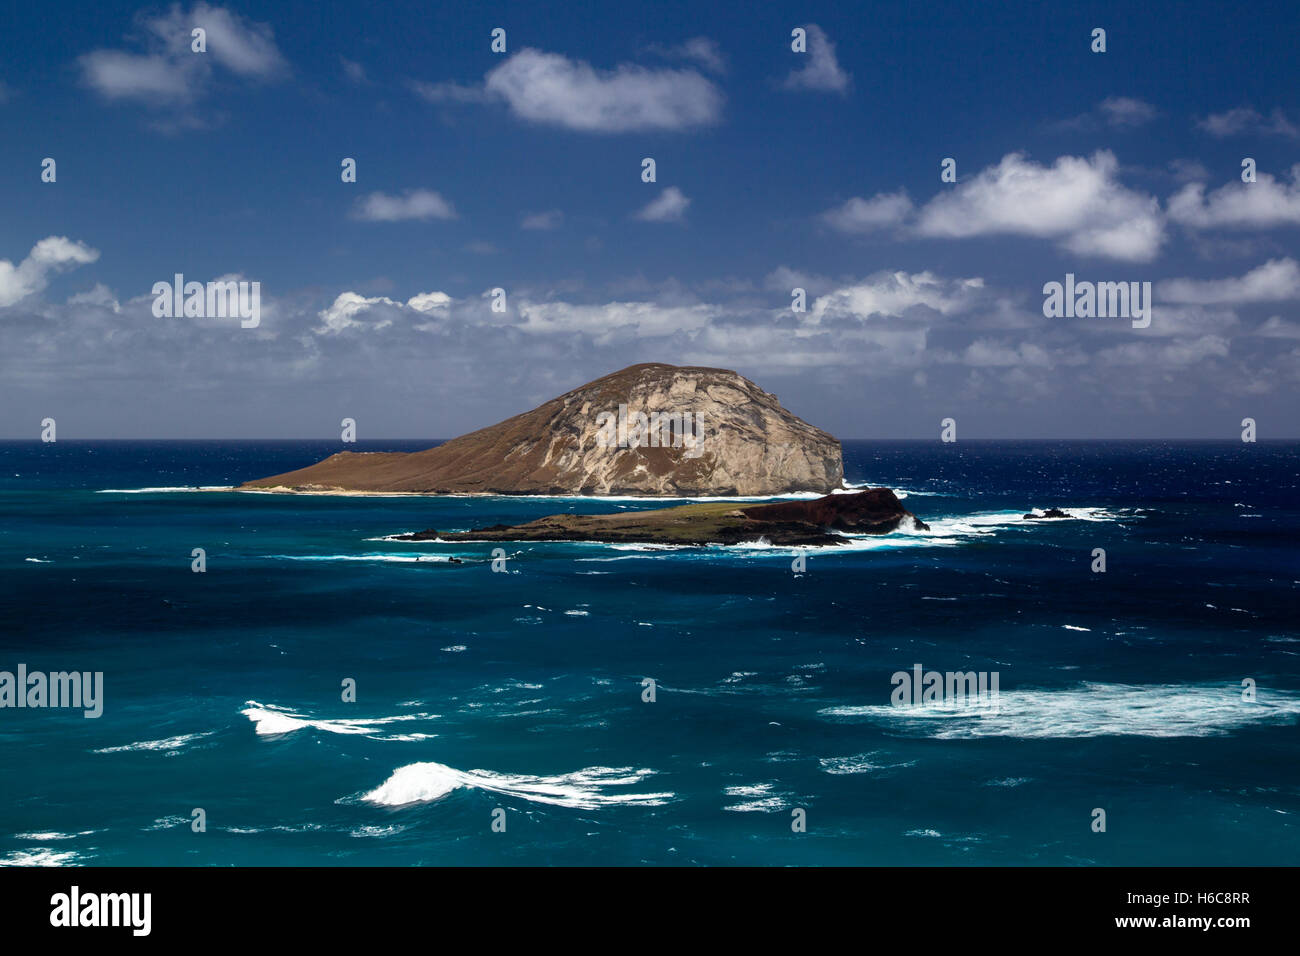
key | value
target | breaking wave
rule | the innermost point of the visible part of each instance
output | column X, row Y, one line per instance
column 583, row 789
column 270, row 720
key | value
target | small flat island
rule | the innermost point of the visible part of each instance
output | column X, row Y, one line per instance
column 821, row 521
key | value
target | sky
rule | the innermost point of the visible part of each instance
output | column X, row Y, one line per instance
column 776, row 169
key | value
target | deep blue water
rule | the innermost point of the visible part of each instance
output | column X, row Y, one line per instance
column 522, row 690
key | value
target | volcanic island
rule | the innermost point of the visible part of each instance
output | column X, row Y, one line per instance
column 650, row 430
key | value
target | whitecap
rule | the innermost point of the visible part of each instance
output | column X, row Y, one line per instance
column 270, row 720
column 167, row 743
column 1090, row 710
column 583, row 789
column 39, row 856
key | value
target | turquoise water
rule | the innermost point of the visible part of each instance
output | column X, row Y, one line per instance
column 522, row 690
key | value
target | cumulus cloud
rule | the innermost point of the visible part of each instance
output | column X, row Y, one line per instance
column 668, row 206
column 551, row 89
column 1265, row 203
column 822, row 73
column 51, row 255
column 166, row 71
column 414, row 204
column 351, row 310
column 894, row 294
column 1077, row 201
column 857, row 215
column 1246, row 120
column 1274, row 281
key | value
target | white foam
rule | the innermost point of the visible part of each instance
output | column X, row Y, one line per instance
column 167, row 743
column 163, row 489
column 1091, row 710
column 860, row 763
column 395, row 558
column 583, row 789
column 52, row 835
column 761, row 798
column 39, row 856
column 270, row 720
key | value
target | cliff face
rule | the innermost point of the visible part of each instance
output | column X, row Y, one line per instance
column 647, row 430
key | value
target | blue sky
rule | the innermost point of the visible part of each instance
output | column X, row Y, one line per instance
column 775, row 170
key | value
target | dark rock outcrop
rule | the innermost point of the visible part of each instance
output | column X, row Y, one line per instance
column 875, row 511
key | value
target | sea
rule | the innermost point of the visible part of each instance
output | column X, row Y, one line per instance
column 284, row 684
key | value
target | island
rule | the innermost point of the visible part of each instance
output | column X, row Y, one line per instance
column 828, row 520
column 648, row 430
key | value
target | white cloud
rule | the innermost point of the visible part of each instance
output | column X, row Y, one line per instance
column 241, row 46
column 351, row 310
column 603, row 321
column 1126, row 111
column 867, row 215
column 343, row 312
column 1274, row 281
column 118, row 75
column 699, row 50
column 551, row 219
column 668, row 206
column 1115, row 112
column 1279, row 328
column 822, row 72
column 353, row 70
column 1077, row 201
column 1168, row 355
column 168, row 72
column 552, row 89
column 894, row 294
column 1244, row 119
column 50, row 255
column 429, row 302
column 414, row 204
column 1258, row 205
column 99, row 295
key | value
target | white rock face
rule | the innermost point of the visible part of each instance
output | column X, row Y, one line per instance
column 724, row 436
